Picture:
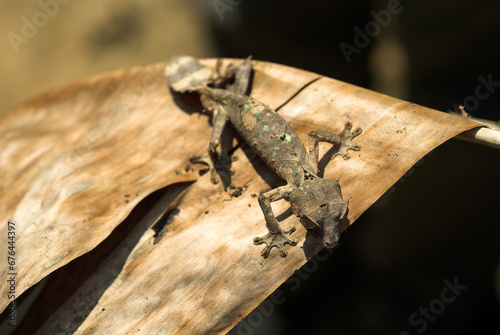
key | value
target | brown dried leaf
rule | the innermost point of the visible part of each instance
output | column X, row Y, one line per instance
column 76, row 160
column 71, row 156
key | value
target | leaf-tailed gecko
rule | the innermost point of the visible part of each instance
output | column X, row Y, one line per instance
column 317, row 202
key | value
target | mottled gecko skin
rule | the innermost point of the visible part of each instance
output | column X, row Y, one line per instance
column 269, row 135
column 317, row 202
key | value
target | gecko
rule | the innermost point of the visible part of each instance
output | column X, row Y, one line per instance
column 316, row 202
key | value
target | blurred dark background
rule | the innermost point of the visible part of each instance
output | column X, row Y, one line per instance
column 438, row 226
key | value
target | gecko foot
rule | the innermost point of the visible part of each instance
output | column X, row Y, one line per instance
column 276, row 240
column 346, row 137
column 205, row 159
column 218, row 170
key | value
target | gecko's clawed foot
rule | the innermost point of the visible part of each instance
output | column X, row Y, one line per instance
column 206, row 160
column 276, row 240
column 219, row 172
column 346, row 137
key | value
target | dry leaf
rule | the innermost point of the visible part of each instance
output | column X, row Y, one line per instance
column 75, row 162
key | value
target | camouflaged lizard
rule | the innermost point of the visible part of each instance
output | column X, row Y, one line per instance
column 317, row 202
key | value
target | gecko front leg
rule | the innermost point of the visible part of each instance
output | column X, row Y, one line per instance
column 276, row 237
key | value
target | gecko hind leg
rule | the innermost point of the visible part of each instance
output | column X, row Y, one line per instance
column 220, row 77
column 343, row 141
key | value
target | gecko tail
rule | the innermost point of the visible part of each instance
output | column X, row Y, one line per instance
column 185, row 74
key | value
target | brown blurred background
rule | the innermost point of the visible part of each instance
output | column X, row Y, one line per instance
column 438, row 223
column 83, row 38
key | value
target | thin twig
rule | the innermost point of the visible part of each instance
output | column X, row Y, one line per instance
column 488, row 135
column 483, row 135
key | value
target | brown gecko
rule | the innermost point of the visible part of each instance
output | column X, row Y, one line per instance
column 317, row 202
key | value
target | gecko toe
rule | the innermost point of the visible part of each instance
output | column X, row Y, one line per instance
column 214, row 177
column 342, row 154
column 357, row 132
column 265, row 252
column 258, row 240
column 276, row 240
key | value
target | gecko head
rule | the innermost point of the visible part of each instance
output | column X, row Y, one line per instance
column 319, row 206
